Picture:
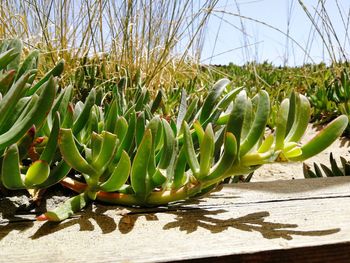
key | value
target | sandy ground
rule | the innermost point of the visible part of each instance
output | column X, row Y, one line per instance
column 287, row 171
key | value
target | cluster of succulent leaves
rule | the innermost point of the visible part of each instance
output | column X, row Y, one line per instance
column 322, row 170
column 123, row 147
column 324, row 85
column 332, row 98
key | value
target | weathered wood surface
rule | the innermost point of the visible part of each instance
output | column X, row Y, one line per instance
column 282, row 221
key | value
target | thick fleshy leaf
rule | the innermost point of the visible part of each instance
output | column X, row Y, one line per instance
column 107, row 151
column 57, row 173
column 182, row 109
column 128, row 139
column 96, row 143
column 140, row 127
column 301, row 120
column 67, row 209
column 30, row 62
column 9, row 101
column 10, row 172
column 179, row 169
column 281, row 124
column 34, row 114
column 191, row 109
column 199, row 131
column 81, row 121
column 323, row 139
column 206, row 151
column 235, row 122
column 139, row 176
column 50, row 149
column 7, row 56
column 189, row 150
column 37, row 173
column 259, row 124
column 56, row 71
column 266, row 144
column 119, row 176
column 112, row 117
column 6, row 81
column 157, row 101
column 71, row 154
column 168, row 146
column 227, row 159
column 121, row 128
column 159, row 177
column 213, row 96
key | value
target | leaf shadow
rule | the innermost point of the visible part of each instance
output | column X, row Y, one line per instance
column 10, row 221
column 84, row 220
column 191, row 221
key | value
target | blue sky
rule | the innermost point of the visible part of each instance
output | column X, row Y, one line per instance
column 259, row 42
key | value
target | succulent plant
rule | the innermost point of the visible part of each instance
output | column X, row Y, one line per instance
column 333, row 170
column 137, row 158
column 23, row 111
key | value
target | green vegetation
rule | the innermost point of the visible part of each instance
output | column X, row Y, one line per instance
column 333, row 170
column 117, row 114
column 129, row 147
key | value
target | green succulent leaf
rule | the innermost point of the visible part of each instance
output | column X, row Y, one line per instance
column 281, row 124
column 57, row 173
column 10, row 172
column 30, row 62
column 157, row 101
column 323, row 139
column 168, row 146
column 121, row 128
column 34, row 115
column 235, row 122
column 7, row 57
column 259, row 124
column 6, row 81
column 37, row 173
column 71, row 154
column 128, row 139
column 112, row 116
column 56, row 71
column 67, row 209
column 50, row 149
column 119, row 176
column 227, row 159
column 139, row 175
column 81, row 120
column 206, row 151
column 107, row 152
column 199, row 131
column 179, row 169
column 9, row 101
column 301, row 119
column 182, row 109
column 189, row 150
column 213, row 96
column 140, row 127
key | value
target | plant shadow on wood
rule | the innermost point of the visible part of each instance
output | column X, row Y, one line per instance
column 7, row 215
column 188, row 218
column 106, row 223
column 192, row 220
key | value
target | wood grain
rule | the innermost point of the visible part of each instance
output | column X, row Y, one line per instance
column 282, row 221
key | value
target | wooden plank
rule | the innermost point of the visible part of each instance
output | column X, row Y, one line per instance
column 290, row 220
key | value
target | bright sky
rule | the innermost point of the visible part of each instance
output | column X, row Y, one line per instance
column 262, row 43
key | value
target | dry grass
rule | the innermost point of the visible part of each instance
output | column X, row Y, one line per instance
column 162, row 38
